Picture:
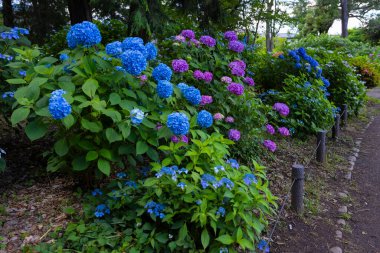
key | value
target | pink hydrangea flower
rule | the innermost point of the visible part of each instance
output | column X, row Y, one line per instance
column 229, row 119
column 226, row 79
column 205, row 100
column 270, row 129
column 270, row 145
column 218, row 116
column 284, row 131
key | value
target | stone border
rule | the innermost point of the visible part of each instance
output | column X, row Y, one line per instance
column 344, row 194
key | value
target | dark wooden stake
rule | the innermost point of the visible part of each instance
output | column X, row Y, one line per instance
column 345, row 114
column 321, row 149
column 298, row 176
column 336, row 127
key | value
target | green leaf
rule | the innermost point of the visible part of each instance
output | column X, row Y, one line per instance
column 182, row 233
column 68, row 121
column 61, row 147
column 90, row 86
column 19, row 114
column 141, row 147
column 115, row 98
column 42, row 70
column 104, row 166
column 205, row 238
column 112, row 135
column 80, row 163
column 16, row 81
column 150, row 182
column 106, row 153
column 225, row 239
column 153, row 154
column 36, row 130
column 69, row 210
column 91, row 155
column 239, row 234
column 38, row 81
column 94, row 127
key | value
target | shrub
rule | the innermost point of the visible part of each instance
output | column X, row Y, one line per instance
column 369, row 72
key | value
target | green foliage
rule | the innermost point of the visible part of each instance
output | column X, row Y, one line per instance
column 368, row 71
column 357, row 35
column 191, row 222
column 372, row 30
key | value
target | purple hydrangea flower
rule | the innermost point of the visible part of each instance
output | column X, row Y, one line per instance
column 236, row 88
column 174, row 139
column 236, row 46
column 229, row 119
column 218, row 116
column 230, row 35
column 180, row 38
column 208, row 40
column 208, row 76
column 206, row 100
column 270, row 129
column 237, row 68
column 194, row 42
column 184, row 139
column 198, row 75
column 180, row 65
column 270, row 145
column 226, row 79
column 282, row 108
column 234, row 134
column 284, row 131
column 143, row 78
column 188, row 34
column 249, row 81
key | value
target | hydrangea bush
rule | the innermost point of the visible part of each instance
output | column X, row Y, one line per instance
column 121, row 110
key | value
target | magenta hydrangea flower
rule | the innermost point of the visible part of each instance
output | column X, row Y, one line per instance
column 236, row 88
column 218, row 116
column 226, row 79
column 143, row 78
column 270, row 145
column 188, row 34
column 184, row 139
column 180, row 38
column 180, row 65
column 284, row 131
column 236, row 46
column 208, row 76
column 249, row 81
column 207, row 40
column 230, row 35
column 198, row 75
column 237, row 68
column 281, row 108
column 205, row 100
column 174, row 139
column 234, row 134
column 229, row 119
column 270, row 129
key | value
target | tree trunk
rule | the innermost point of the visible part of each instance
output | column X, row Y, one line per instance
column 8, row 16
column 79, row 11
column 268, row 29
column 344, row 18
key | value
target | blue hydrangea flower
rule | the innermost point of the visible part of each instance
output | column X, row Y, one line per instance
column 156, row 209
column 59, row 108
column 114, row 48
column 162, row 72
column 133, row 62
column 204, row 119
column 263, row 246
column 198, row 202
column 136, row 44
column 101, row 210
column 9, row 35
column 250, row 179
column 63, row 57
column 307, row 85
column 137, row 116
column 170, row 171
column 84, row 34
column 121, row 175
column 164, row 89
column 298, row 65
column 182, row 86
column 326, row 82
column 233, row 163
column 223, row 250
column 19, row 30
column 120, row 68
column 97, row 192
column 221, row 211
column 207, row 179
column 192, row 95
column 226, row 182
column 178, row 123
column 8, row 94
column 131, row 184
column 218, row 168
column 151, row 51
column 181, row 185
column 22, row 73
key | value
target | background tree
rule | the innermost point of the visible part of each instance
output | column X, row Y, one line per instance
column 79, row 11
column 8, row 16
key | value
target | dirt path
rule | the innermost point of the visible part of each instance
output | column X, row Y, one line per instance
column 365, row 221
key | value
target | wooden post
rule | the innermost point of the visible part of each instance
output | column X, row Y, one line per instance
column 321, row 148
column 298, row 191
column 336, row 127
